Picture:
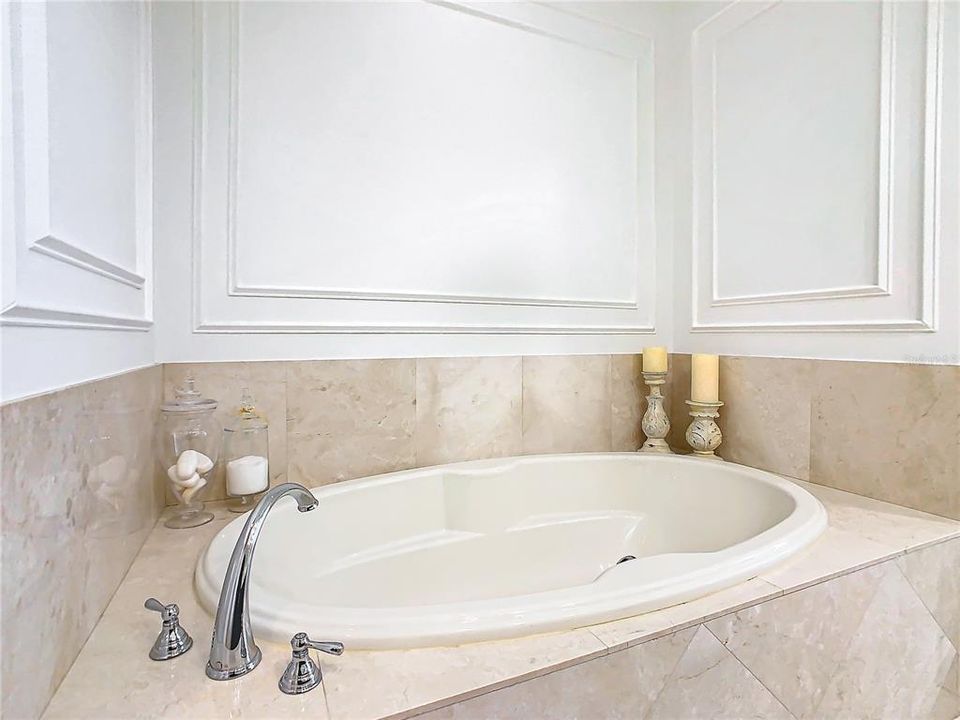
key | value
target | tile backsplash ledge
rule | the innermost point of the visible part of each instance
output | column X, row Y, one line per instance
column 333, row 420
column 886, row 430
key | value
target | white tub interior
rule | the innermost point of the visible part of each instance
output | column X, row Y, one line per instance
column 484, row 548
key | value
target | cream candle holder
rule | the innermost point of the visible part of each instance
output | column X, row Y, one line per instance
column 655, row 423
column 703, row 434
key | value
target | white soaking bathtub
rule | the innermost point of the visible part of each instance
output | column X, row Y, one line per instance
column 500, row 548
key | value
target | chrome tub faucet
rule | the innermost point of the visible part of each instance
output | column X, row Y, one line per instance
column 233, row 651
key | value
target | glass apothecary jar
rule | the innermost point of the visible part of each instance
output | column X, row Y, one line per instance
column 187, row 448
column 245, row 456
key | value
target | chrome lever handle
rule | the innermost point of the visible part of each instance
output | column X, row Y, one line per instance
column 302, row 673
column 331, row 648
column 173, row 640
column 301, row 642
column 168, row 612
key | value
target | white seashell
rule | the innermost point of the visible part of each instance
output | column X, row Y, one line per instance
column 191, row 482
column 187, row 463
column 190, row 492
column 175, row 478
column 204, row 464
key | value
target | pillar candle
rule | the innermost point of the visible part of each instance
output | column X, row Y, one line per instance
column 655, row 359
column 705, row 378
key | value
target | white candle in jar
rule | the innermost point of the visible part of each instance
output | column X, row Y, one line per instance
column 247, row 475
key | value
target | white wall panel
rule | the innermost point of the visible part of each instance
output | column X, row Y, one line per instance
column 823, row 140
column 413, row 169
column 77, row 177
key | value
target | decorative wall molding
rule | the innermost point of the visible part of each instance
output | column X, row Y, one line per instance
column 31, row 172
column 518, row 17
column 34, row 316
column 829, row 326
column 851, row 291
column 275, row 328
column 73, row 255
column 883, row 285
column 282, row 291
column 932, row 158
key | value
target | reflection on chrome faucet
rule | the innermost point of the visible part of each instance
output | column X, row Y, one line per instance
column 233, row 651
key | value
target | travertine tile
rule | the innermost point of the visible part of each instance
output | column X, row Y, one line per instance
column 627, row 402
column 622, row 685
column 224, row 382
column 898, row 662
column 349, row 419
column 934, row 574
column 677, row 390
column 765, row 418
column 114, row 678
column 709, row 682
column 566, row 404
column 422, row 678
column 619, row 634
column 793, row 644
column 832, row 554
column 468, row 409
column 888, row 431
column 891, row 525
column 78, row 502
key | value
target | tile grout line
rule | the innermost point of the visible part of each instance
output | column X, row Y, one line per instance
column 749, row 672
column 840, row 574
column 842, row 655
column 673, row 670
column 926, row 607
column 474, row 693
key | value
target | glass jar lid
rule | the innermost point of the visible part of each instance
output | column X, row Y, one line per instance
column 247, row 416
column 188, row 399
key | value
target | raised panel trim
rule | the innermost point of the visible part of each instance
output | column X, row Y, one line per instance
column 38, row 316
column 65, row 252
column 645, row 130
column 236, row 289
column 931, row 199
column 932, row 151
column 31, row 162
column 271, row 328
column 865, row 326
column 881, row 286
column 283, row 291
column 852, row 291
column 34, row 113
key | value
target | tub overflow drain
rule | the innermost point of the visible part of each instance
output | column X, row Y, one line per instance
column 622, row 560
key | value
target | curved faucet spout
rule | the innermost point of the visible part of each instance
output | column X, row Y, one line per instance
column 233, row 651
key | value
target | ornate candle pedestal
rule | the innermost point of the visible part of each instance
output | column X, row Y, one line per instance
column 704, row 434
column 655, row 423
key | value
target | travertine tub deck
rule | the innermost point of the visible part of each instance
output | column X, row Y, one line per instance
column 114, row 678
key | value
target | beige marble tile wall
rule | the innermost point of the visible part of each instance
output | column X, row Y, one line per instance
column 333, row 420
column 79, row 499
column 888, row 431
column 880, row 642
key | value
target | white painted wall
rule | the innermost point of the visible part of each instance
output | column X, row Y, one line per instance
column 411, row 179
column 818, row 180
column 406, row 179
column 76, row 193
